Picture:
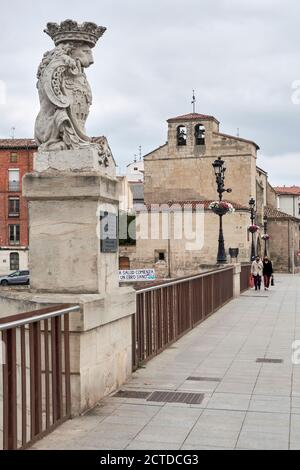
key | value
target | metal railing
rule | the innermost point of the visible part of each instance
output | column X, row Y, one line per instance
column 14, row 186
column 245, row 275
column 166, row 312
column 36, row 378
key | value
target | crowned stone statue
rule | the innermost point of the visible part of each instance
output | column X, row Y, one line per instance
column 64, row 92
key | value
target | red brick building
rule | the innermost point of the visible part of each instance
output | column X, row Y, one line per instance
column 16, row 159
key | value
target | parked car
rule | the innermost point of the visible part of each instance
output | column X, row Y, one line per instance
column 18, row 277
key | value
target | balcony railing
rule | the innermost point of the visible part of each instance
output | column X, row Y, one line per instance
column 14, row 186
column 14, row 242
column 35, row 384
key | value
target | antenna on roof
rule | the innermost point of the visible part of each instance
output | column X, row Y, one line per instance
column 13, row 132
column 135, row 158
column 194, row 102
column 140, row 152
column 238, row 132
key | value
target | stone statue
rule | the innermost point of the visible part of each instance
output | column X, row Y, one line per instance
column 64, row 92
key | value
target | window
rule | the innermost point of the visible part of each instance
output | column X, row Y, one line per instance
column 16, row 274
column 13, row 207
column 181, row 135
column 14, row 234
column 124, row 263
column 14, row 260
column 14, row 180
column 200, row 134
column 13, row 158
column 160, row 255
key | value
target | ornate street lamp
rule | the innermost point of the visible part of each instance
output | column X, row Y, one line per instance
column 219, row 170
column 252, row 209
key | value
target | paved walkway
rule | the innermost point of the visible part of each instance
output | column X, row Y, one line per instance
column 249, row 405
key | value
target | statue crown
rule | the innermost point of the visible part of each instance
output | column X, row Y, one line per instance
column 70, row 30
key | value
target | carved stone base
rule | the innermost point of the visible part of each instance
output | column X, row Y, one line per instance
column 93, row 158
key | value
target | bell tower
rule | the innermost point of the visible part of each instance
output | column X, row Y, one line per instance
column 191, row 134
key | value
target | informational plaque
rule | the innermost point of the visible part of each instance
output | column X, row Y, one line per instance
column 109, row 232
column 133, row 275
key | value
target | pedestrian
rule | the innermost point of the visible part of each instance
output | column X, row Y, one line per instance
column 267, row 272
column 257, row 271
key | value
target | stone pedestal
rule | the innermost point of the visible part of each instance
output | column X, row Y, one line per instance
column 237, row 280
column 66, row 194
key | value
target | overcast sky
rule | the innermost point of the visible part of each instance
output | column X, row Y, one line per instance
column 241, row 57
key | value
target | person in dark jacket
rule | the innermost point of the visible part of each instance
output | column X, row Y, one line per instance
column 267, row 272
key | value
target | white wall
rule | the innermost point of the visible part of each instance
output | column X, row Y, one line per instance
column 5, row 263
column 133, row 174
column 289, row 204
column 125, row 194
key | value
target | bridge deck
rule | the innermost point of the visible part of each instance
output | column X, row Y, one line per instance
column 246, row 404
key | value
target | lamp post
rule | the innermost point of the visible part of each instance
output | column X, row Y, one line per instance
column 252, row 209
column 265, row 233
column 219, row 170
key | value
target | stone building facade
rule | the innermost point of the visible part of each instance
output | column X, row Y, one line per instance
column 181, row 172
column 284, row 244
column 179, row 239
column 16, row 159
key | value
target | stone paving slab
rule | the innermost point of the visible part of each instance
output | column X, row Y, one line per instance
column 251, row 406
column 265, row 431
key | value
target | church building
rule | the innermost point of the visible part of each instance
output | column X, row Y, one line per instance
column 179, row 176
